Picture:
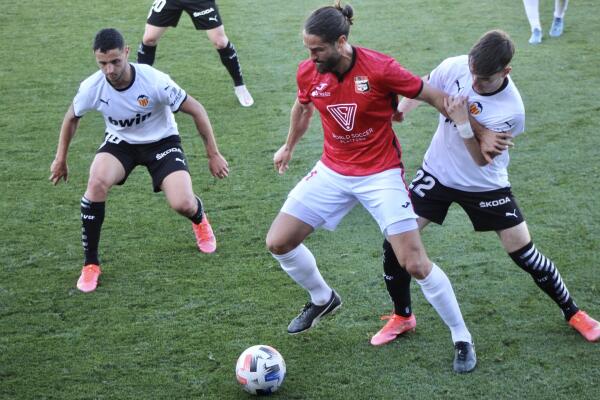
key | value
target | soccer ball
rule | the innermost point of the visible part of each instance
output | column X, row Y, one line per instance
column 260, row 369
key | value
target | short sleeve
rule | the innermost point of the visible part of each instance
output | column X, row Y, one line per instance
column 401, row 81
column 518, row 124
column 439, row 76
column 303, row 80
column 170, row 93
column 83, row 101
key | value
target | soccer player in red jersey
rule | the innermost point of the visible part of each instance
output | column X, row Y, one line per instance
column 355, row 91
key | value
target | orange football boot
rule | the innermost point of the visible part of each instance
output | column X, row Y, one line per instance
column 88, row 280
column 205, row 238
column 586, row 325
column 395, row 326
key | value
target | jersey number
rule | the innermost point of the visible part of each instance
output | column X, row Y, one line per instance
column 158, row 5
column 427, row 184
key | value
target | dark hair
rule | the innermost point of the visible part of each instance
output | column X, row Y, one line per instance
column 492, row 53
column 108, row 39
column 330, row 22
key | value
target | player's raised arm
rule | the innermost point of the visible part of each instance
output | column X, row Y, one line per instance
column 217, row 164
column 59, row 168
column 301, row 115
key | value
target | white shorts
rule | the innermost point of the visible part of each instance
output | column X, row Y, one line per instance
column 324, row 197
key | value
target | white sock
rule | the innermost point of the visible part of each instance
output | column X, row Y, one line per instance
column 438, row 291
column 301, row 266
column 533, row 13
column 560, row 6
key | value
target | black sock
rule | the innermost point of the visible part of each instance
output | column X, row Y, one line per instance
column 92, row 216
column 197, row 218
column 546, row 276
column 230, row 60
column 145, row 54
column 397, row 281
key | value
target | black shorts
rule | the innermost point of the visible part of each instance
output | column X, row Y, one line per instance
column 494, row 210
column 160, row 158
column 204, row 13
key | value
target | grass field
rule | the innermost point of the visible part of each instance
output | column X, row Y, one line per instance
column 169, row 322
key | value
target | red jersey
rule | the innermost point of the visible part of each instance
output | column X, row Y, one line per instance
column 356, row 110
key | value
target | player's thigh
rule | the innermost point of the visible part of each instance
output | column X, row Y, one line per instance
column 321, row 194
column 152, row 34
column 217, row 37
column 105, row 172
column 494, row 210
column 179, row 193
column 515, row 238
column 112, row 164
column 385, row 196
column 286, row 233
column 164, row 158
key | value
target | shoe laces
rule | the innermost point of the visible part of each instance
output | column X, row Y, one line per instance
column 306, row 308
column 204, row 230
column 462, row 349
column 89, row 271
column 584, row 321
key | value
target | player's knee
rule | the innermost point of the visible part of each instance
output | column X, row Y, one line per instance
column 276, row 245
column 184, row 206
column 220, row 42
column 150, row 40
column 97, row 187
column 418, row 267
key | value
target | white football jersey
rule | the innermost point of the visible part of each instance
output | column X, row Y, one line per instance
column 140, row 113
column 447, row 157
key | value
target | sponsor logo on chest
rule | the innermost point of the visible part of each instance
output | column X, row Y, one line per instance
column 319, row 90
column 127, row 123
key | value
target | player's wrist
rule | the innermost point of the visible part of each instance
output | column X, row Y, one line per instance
column 465, row 131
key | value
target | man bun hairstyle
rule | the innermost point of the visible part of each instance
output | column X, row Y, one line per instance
column 108, row 39
column 330, row 22
column 492, row 53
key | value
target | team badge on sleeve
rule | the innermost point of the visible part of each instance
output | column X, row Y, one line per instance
column 175, row 95
column 143, row 100
column 361, row 84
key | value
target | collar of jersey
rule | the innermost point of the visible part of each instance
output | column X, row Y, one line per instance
column 501, row 88
column 340, row 77
column 130, row 83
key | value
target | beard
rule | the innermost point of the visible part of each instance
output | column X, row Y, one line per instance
column 329, row 64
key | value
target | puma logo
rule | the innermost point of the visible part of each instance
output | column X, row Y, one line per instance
column 180, row 160
column 511, row 214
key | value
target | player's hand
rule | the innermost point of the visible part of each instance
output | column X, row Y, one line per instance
column 281, row 159
column 456, row 108
column 218, row 166
column 494, row 143
column 58, row 170
column 398, row 116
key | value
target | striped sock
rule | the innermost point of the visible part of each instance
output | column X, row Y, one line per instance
column 546, row 276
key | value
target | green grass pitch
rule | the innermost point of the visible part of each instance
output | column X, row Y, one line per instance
column 169, row 322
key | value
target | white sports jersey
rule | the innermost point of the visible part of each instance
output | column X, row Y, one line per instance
column 140, row 113
column 447, row 157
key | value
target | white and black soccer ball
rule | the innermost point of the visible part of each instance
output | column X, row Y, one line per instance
column 260, row 369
